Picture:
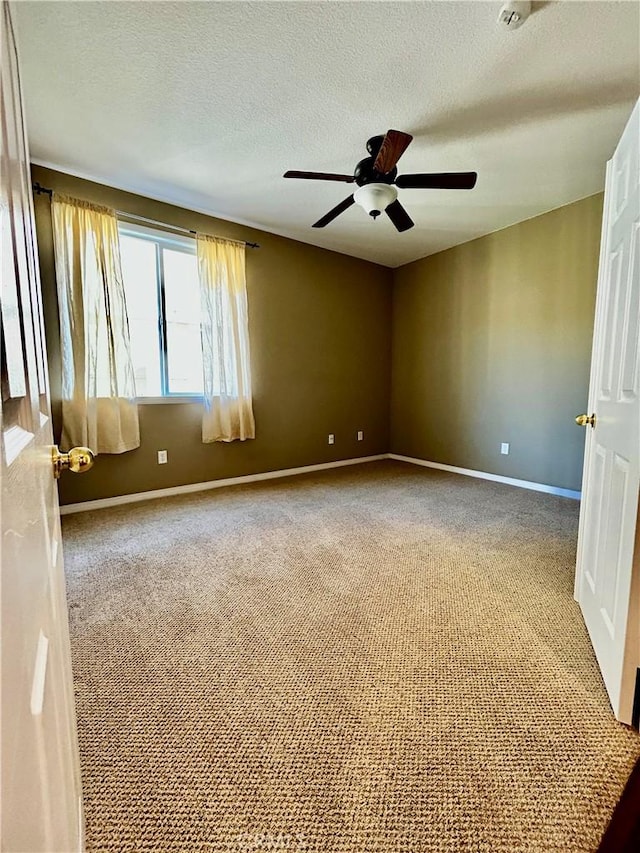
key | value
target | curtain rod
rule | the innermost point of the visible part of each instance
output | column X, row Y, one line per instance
column 40, row 190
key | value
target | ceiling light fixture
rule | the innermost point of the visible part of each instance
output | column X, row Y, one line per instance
column 374, row 198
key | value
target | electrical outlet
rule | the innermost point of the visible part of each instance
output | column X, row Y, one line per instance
column 162, row 457
column 332, row 438
column 504, row 448
column 360, row 435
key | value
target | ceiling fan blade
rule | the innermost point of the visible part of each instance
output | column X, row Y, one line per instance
column 394, row 144
column 319, row 176
column 399, row 216
column 337, row 210
column 438, row 181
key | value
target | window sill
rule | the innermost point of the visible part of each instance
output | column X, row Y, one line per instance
column 154, row 401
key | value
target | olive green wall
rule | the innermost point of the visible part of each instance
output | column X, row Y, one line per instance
column 320, row 357
column 492, row 343
column 487, row 342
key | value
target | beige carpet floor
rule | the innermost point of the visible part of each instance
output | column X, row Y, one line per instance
column 381, row 658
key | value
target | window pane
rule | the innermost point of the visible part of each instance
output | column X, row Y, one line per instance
column 182, row 306
column 141, row 288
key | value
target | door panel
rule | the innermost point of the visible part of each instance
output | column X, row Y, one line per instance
column 629, row 369
column 592, row 559
column 609, row 354
column 612, row 552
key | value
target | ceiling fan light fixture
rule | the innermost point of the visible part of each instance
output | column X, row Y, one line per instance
column 374, row 198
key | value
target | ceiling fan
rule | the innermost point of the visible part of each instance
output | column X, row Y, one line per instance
column 377, row 178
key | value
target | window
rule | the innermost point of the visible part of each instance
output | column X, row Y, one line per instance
column 163, row 304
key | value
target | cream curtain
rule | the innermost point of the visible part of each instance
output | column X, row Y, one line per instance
column 228, row 411
column 98, row 386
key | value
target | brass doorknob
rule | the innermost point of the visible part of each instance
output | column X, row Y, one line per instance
column 78, row 460
column 583, row 420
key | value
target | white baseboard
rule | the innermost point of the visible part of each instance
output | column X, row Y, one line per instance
column 496, row 478
column 103, row 503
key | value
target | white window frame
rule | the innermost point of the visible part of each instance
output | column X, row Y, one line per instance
column 180, row 243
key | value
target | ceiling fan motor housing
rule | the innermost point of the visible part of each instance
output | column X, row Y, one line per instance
column 365, row 173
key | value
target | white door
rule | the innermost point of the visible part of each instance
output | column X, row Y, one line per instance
column 40, row 794
column 608, row 514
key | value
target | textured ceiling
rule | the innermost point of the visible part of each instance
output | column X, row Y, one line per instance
column 207, row 104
